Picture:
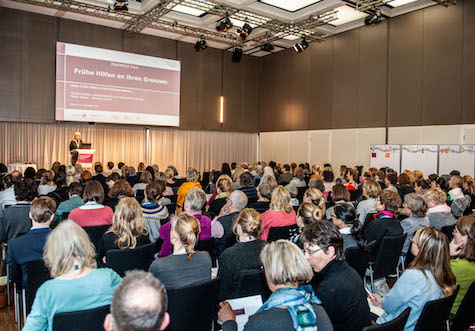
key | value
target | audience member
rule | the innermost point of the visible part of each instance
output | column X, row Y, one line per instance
column 404, row 185
column 429, row 277
column 340, row 195
column 185, row 266
column 280, row 213
column 70, row 172
column 307, row 214
column 385, row 222
column 194, row 202
column 76, row 284
column 415, row 207
column 224, row 187
column 30, row 173
column 264, row 193
column 328, row 182
column 459, row 201
column 85, row 177
column 390, row 181
column 75, row 200
column 338, row 285
column 29, row 247
column 286, row 176
column 119, row 190
column 371, row 191
column 421, row 186
column 162, row 179
column 351, row 176
column 299, row 178
column 99, row 176
column 92, row 213
column 294, row 192
column 46, row 185
column 60, row 194
column 153, row 211
column 462, row 249
column 439, row 214
column 192, row 177
column 247, row 186
column 237, row 176
column 242, row 256
column 316, row 197
column 292, row 305
column 128, row 230
column 15, row 220
column 139, row 303
column 145, row 179
column 345, row 218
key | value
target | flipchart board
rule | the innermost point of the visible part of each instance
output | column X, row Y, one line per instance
column 457, row 157
column 386, row 156
column 420, row 157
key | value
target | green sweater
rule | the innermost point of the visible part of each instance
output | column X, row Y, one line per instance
column 465, row 273
column 66, row 295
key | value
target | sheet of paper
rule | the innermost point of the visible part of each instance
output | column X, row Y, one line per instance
column 244, row 308
column 375, row 309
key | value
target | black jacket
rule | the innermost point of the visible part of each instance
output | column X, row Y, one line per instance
column 341, row 291
column 73, row 145
column 229, row 238
column 14, row 221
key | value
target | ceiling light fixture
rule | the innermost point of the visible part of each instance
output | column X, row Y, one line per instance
column 224, row 25
column 373, row 18
column 244, row 32
column 200, row 45
column 267, row 47
column 299, row 48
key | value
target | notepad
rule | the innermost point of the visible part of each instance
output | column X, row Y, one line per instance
column 244, row 308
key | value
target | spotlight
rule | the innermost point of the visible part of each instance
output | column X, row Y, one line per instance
column 121, row 5
column 237, row 55
column 224, row 25
column 299, row 48
column 244, row 32
column 373, row 18
column 200, row 45
column 267, row 47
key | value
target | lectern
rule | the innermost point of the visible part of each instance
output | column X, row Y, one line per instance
column 85, row 157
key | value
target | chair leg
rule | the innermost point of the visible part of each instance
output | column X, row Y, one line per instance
column 23, row 294
column 15, row 301
column 8, row 291
column 371, row 278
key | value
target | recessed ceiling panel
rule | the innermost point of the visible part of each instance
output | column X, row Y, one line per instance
column 398, row 3
column 346, row 14
column 290, row 5
column 188, row 10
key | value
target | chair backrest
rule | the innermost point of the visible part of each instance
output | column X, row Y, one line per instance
column 301, row 192
column 396, row 324
column 65, row 215
column 193, row 307
column 207, row 245
column 435, row 314
column 359, row 259
column 37, row 273
column 95, row 233
column 448, row 231
column 140, row 195
column 252, row 282
column 281, row 232
column 171, row 208
column 465, row 315
column 91, row 320
column 122, row 260
column 388, row 255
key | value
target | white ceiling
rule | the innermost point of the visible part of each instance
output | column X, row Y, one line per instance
column 191, row 13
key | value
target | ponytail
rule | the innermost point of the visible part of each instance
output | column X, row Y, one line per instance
column 188, row 231
column 347, row 214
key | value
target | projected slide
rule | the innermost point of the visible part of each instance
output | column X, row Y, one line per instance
column 100, row 85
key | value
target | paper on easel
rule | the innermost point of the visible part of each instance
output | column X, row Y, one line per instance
column 375, row 309
column 245, row 307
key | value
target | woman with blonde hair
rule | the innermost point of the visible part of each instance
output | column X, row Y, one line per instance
column 185, row 266
column 280, row 213
column 371, row 191
column 192, row 177
column 308, row 213
column 298, row 180
column 224, row 187
column 244, row 255
column 70, row 171
column 76, row 284
column 128, row 229
column 462, row 250
column 293, row 305
column 316, row 197
column 236, row 177
column 438, row 213
column 429, row 277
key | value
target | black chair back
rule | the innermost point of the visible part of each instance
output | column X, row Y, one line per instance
column 435, row 313
column 194, row 307
column 465, row 315
column 90, row 320
column 281, row 232
column 301, row 192
column 140, row 195
column 65, row 215
column 171, row 208
column 388, row 255
column 253, row 282
column 359, row 259
column 207, row 245
column 354, row 194
column 448, row 231
column 122, row 260
column 95, row 233
column 396, row 324
column 37, row 273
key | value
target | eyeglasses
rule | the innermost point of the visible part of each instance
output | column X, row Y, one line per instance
column 311, row 252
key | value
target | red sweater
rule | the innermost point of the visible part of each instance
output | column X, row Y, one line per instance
column 92, row 217
column 276, row 218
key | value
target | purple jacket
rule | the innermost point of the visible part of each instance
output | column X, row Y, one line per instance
column 164, row 231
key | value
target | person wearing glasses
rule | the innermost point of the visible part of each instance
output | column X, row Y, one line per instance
column 429, row 277
column 462, row 250
column 337, row 285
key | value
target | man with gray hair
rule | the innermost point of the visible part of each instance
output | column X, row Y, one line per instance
column 237, row 201
column 139, row 303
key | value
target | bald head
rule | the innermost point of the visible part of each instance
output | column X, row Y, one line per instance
column 238, row 200
column 139, row 303
column 16, row 176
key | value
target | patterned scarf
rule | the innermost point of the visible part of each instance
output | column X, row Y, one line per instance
column 384, row 214
column 298, row 302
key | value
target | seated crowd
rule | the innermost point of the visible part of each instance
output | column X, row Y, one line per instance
column 293, row 223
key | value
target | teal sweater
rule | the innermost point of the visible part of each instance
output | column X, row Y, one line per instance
column 66, row 295
column 68, row 205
